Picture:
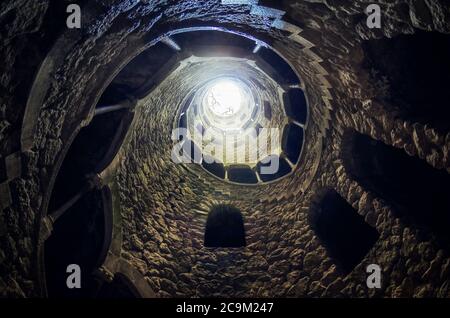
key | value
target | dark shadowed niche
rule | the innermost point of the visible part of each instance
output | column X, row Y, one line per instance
column 342, row 231
column 225, row 227
column 417, row 191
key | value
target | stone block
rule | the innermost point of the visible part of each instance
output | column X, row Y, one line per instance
column 13, row 165
column 5, row 195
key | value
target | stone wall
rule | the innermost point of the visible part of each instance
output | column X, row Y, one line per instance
column 165, row 206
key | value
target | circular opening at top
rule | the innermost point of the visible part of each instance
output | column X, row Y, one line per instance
column 237, row 116
column 227, row 104
column 224, row 98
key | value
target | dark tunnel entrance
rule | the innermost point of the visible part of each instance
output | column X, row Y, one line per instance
column 225, row 227
column 418, row 192
column 80, row 206
column 90, row 153
column 81, row 236
column 343, row 232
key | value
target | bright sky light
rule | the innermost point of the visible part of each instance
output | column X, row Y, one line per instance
column 225, row 98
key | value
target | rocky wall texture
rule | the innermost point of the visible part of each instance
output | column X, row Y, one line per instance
column 165, row 206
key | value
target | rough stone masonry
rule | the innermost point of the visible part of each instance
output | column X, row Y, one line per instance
column 360, row 81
